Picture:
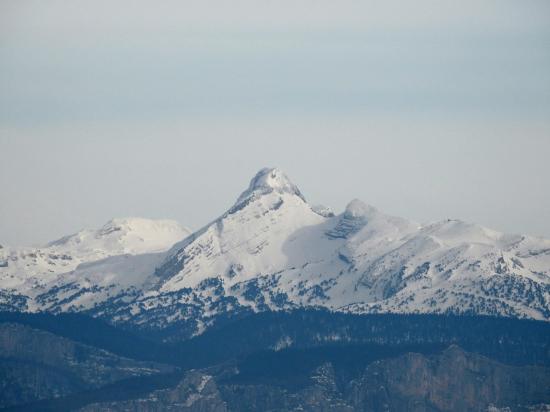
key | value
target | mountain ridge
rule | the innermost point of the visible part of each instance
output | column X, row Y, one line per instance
column 271, row 250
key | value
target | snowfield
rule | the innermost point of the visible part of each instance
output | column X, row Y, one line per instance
column 273, row 251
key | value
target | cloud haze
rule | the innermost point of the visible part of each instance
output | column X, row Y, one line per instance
column 427, row 109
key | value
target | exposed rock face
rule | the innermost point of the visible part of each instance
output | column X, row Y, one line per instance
column 352, row 220
column 197, row 392
column 453, row 380
column 35, row 364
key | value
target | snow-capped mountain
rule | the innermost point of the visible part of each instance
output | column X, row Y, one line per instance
column 27, row 272
column 272, row 250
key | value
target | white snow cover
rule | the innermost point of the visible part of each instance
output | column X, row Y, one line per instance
column 132, row 235
column 93, row 257
column 267, row 181
column 272, row 251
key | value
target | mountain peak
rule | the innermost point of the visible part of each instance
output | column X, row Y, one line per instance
column 139, row 225
column 269, row 180
column 125, row 235
column 273, row 179
column 357, row 209
column 354, row 218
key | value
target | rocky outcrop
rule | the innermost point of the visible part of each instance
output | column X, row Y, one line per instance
column 197, row 392
column 453, row 380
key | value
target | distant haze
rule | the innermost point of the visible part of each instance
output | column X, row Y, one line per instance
column 427, row 109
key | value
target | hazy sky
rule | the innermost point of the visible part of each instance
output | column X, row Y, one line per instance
column 427, row 109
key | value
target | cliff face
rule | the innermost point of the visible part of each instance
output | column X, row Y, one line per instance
column 453, row 380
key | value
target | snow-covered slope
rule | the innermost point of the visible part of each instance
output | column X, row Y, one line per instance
column 105, row 253
column 272, row 250
column 132, row 235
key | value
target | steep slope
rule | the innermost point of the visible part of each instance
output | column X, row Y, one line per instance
column 270, row 232
column 103, row 254
column 258, row 235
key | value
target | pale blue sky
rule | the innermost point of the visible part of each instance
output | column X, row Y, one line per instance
column 427, row 109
